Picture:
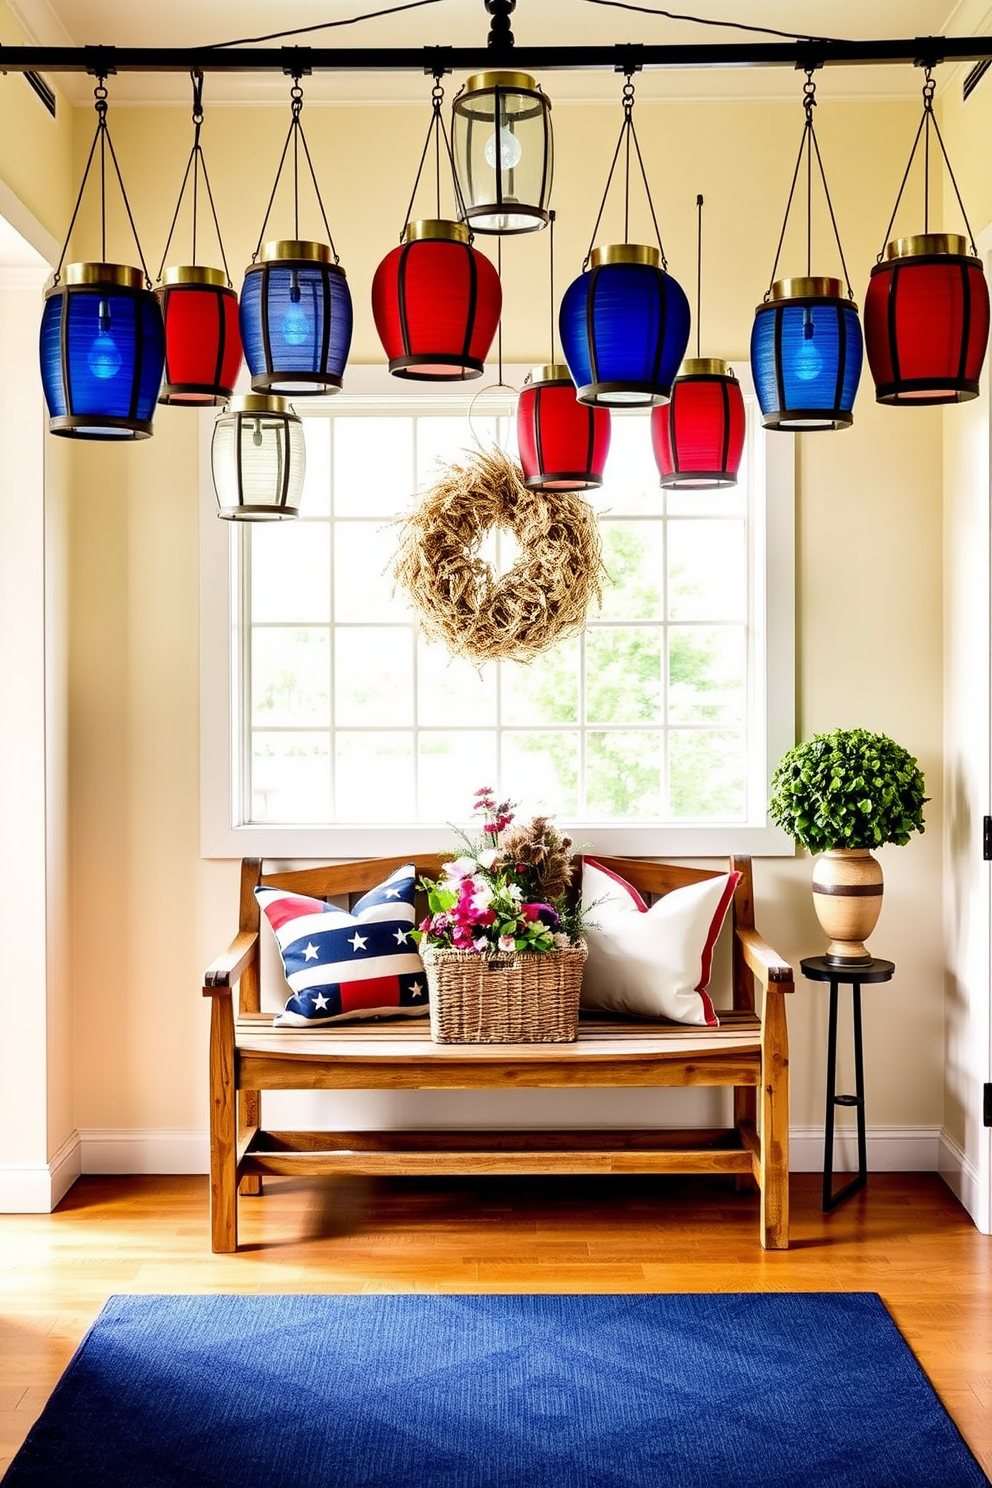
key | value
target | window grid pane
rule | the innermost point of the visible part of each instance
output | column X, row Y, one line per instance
column 644, row 717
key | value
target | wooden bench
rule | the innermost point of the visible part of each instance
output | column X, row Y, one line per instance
column 748, row 1052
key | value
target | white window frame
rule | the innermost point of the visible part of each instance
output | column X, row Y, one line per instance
column 771, row 662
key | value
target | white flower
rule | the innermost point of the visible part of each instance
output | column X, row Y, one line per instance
column 515, row 892
column 507, row 943
column 460, row 868
column 481, row 943
column 561, row 940
column 483, row 896
column 488, row 858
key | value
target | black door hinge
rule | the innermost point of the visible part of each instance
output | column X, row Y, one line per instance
column 987, row 838
column 987, row 1114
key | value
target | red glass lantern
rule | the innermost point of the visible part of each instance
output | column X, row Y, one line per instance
column 927, row 320
column 436, row 302
column 698, row 437
column 562, row 443
column 202, row 339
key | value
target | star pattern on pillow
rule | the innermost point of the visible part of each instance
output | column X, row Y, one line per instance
column 346, row 964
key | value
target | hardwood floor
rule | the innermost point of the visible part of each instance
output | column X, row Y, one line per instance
column 905, row 1237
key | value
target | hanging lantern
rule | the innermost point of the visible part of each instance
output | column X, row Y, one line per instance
column 698, row 438
column 624, row 322
column 927, row 306
column 927, row 321
column 296, row 315
column 503, row 152
column 624, row 327
column 806, row 352
column 202, row 339
column 102, row 350
column 436, row 302
column 562, row 443
column 102, row 344
column 806, row 345
column 258, row 460
column 296, row 320
column 199, row 307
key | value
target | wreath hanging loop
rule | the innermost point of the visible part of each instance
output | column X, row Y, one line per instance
column 541, row 599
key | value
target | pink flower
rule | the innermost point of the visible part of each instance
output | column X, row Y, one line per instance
column 484, row 917
column 507, row 943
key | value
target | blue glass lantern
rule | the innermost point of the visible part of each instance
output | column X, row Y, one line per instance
column 806, row 353
column 296, row 320
column 624, row 327
column 102, row 353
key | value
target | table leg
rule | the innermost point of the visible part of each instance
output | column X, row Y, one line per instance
column 830, row 1200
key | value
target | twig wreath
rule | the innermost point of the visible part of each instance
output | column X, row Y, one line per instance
column 542, row 598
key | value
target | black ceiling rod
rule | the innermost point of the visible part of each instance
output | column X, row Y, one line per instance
column 477, row 59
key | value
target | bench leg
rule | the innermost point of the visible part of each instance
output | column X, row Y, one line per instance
column 249, row 1119
column 223, row 1128
column 774, row 1220
column 745, row 1114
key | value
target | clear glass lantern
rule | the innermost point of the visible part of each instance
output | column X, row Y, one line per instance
column 258, row 460
column 503, row 152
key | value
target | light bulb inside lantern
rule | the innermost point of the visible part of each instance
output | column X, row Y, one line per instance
column 808, row 362
column 256, row 434
column 104, row 359
column 295, row 324
column 509, row 149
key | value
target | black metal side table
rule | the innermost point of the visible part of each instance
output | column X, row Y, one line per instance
column 819, row 969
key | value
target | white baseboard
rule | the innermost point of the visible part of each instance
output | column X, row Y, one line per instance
column 963, row 1179
column 891, row 1149
column 37, row 1188
column 123, row 1151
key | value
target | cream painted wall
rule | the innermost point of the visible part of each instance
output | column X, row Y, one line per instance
column 148, row 913
column 968, row 693
column 36, row 1057
column 35, row 152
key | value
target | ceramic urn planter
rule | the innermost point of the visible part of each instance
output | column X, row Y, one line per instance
column 847, row 897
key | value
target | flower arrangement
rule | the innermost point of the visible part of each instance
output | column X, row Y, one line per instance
column 506, row 891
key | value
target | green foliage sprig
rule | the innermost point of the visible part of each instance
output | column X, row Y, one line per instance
column 850, row 788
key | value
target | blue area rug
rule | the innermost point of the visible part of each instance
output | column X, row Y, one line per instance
column 763, row 1390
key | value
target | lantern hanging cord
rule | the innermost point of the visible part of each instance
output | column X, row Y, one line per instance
column 196, row 163
column 103, row 137
column 551, row 276
column 927, row 122
column 809, row 147
column 437, row 132
column 699, row 272
column 674, row 15
column 297, row 135
column 499, row 323
column 627, row 133
column 372, row 15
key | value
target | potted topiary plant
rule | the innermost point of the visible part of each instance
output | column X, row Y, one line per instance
column 840, row 795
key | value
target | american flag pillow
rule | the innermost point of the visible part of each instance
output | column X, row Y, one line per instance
column 344, row 964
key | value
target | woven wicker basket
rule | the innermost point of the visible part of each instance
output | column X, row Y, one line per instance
column 530, row 998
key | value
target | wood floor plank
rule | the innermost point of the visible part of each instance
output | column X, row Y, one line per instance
column 905, row 1237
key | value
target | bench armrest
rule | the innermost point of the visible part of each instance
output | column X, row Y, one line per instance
column 766, row 964
column 223, row 972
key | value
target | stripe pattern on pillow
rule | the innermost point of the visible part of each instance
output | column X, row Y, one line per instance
column 345, row 964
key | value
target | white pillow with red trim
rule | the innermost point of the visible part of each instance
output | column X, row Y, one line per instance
column 653, row 963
